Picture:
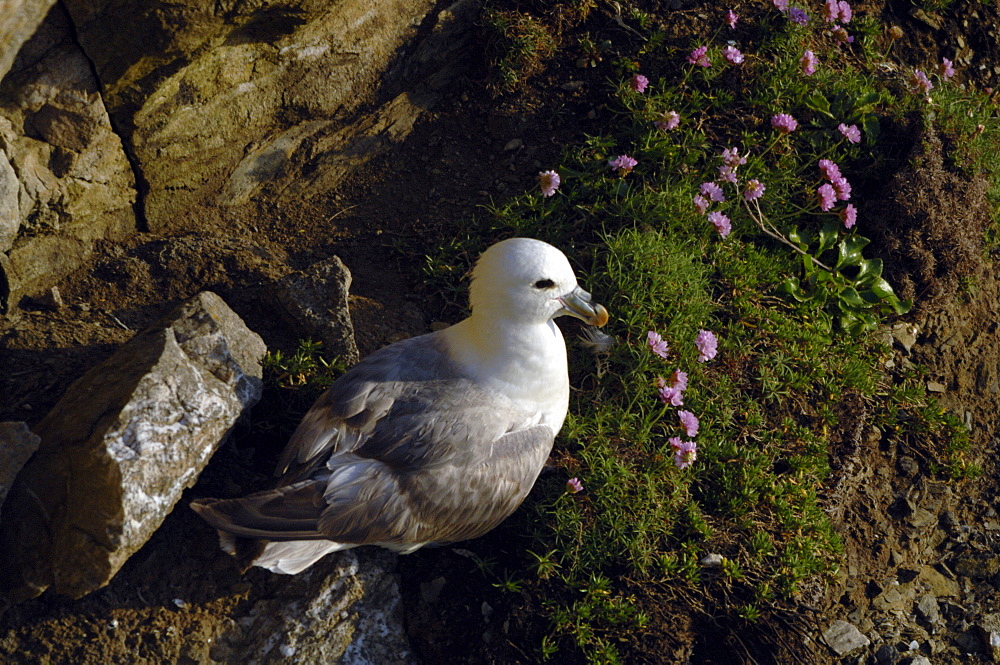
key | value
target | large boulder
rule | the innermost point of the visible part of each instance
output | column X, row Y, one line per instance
column 198, row 87
column 18, row 20
column 65, row 181
column 121, row 446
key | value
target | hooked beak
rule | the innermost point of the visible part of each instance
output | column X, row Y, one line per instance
column 579, row 303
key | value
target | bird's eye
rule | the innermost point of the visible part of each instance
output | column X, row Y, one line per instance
column 544, row 284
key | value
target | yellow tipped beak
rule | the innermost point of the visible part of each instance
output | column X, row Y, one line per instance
column 580, row 304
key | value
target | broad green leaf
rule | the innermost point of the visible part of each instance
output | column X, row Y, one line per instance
column 828, row 234
column 849, row 251
column 820, row 104
column 869, row 269
column 850, row 297
column 882, row 288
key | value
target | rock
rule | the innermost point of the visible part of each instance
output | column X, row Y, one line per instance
column 122, row 444
column 17, row 444
column 905, row 334
column 345, row 609
column 927, row 609
column 977, row 566
column 989, row 625
column 936, row 387
column 844, row 637
column 10, row 213
column 713, row 560
column 315, row 300
column 908, row 466
column 887, row 654
column 20, row 19
column 198, row 89
column 74, row 183
column 920, row 660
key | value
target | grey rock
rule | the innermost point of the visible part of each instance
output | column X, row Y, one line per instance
column 844, row 637
column 713, row 560
column 10, row 213
column 17, row 445
column 908, row 466
column 315, row 300
column 927, row 608
column 905, row 334
column 920, row 660
column 345, row 609
column 887, row 654
column 122, row 444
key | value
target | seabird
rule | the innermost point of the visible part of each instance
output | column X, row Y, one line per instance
column 433, row 439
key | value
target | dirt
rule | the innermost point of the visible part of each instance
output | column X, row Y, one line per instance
column 474, row 151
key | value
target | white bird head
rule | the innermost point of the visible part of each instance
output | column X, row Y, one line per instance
column 531, row 282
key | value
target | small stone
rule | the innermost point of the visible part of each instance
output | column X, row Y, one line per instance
column 844, row 637
column 513, row 144
column 920, row 660
column 927, row 608
column 908, row 466
column 905, row 334
column 929, row 19
column 935, row 387
column 712, row 560
column 977, row 567
column 887, row 654
column 572, row 86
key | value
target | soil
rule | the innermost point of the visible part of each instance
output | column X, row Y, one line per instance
column 476, row 150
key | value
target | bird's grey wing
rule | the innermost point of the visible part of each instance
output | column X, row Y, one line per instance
column 365, row 501
column 345, row 414
column 456, row 500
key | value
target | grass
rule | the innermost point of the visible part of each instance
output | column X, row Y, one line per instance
column 791, row 294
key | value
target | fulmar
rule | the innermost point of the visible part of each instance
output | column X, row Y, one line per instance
column 433, row 439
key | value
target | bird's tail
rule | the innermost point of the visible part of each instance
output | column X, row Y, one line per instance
column 282, row 515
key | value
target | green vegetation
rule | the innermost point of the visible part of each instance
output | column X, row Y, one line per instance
column 737, row 217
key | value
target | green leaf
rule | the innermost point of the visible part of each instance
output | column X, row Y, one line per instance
column 851, row 298
column 870, row 127
column 869, row 269
column 791, row 286
column 882, row 288
column 849, row 251
column 820, row 104
column 799, row 238
column 828, row 236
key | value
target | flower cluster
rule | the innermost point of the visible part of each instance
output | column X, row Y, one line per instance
column 623, row 164
column 549, row 182
column 639, row 83
column 671, row 391
column 808, row 63
column 573, row 485
column 851, row 133
column 731, row 18
column 784, row 123
column 836, row 189
column 733, row 55
column 699, row 57
column 668, row 121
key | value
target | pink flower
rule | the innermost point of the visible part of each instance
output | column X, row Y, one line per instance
column 672, row 390
column 849, row 215
column 721, row 223
column 656, row 343
column 727, row 174
column 668, row 121
column 573, row 485
column 732, row 18
column 851, row 133
column 731, row 157
column 832, row 14
column 845, row 11
column 549, row 182
column 689, row 422
column 808, row 63
column 699, row 57
column 712, row 191
column 753, row 190
column 843, row 188
column 685, row 452
column 827, row 196
column 701, row 203
column 946, row 69
column 830, row 170
column 707, row 345
column 798, row 16
column 639, row 83
column 733, row 55
column 784, row 123
column 623, row 164
column 781, row 5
